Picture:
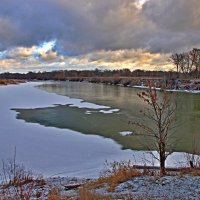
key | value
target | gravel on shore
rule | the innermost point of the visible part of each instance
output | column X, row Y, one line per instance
column 179, row 187
column 184, row 187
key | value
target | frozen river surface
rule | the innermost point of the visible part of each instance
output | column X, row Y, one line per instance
column 52, row 151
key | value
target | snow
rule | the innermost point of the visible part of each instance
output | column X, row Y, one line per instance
column 79, row 103
column 186, row 91
column 109, row 111
column 88, row 112
column 152, row 187
column 171, row 90
column 52, row 151
column 125, row 133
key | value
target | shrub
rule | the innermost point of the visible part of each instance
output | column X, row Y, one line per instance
column 19, row 183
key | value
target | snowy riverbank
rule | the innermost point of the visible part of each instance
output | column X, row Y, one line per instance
column 182, row 187
column 142, row 187
column 171, row 90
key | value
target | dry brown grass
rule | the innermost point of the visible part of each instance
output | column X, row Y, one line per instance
column 119, row 172
column 195, row 172
column 83, row 194
column 189, row 171
column 10, row 81
column 87, row 194
column 54, row 194
column 19, row 183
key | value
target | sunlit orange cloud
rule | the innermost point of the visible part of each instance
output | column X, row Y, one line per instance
column 127, row 58
column 132, row 59
column 21, row 52
column 7, row 65
column 51, row 55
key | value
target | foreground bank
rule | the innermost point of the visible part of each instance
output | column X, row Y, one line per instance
column 126, row 184
column 140, row 187
column 54, row 151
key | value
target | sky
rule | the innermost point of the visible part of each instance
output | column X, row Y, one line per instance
column 45, row 35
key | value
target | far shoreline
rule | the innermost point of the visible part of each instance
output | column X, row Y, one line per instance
column 140, row 82
column 136, row 85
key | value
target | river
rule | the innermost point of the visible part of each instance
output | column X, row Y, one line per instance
column 49, row 144
column 185, row 130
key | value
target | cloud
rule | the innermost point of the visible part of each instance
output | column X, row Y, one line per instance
column 128, row 58
column 174, row 15
column 85, row 27
column 81, row 26
column 177, row 24
column 45, row 49
column 20, row 58
column 25, row 59
column 20, row 52
column 50, row 55
column 8, row 32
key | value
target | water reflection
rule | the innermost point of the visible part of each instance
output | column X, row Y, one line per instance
column 188, row 105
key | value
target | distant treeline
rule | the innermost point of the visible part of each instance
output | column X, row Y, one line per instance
column 86, row 74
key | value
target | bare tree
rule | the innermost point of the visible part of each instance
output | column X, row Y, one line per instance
column 177, row 59
column 161, row 114
column 187, row 62
column 195, row 55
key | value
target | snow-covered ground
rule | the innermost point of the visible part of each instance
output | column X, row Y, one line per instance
column 52, row 151
column 160, row 188
column 170, row 90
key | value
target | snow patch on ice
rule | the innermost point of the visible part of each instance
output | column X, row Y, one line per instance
column 79, row 103
column 109, row 111
column 88, row 112
column 170, row 90
column 126, row 133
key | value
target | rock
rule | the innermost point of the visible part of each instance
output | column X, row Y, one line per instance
column 72, row 187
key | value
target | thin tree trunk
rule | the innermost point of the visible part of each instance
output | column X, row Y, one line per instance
column 162, row 165
column 177, row 68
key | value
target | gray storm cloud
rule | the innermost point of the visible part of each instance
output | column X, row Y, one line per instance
column 96, row 32
column 81, row 26
column 177, row 24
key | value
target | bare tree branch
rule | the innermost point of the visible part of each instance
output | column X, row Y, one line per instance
column 162, row 116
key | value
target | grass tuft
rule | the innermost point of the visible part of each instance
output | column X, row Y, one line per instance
column 118, row 172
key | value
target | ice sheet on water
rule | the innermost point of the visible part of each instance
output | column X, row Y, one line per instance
column 109, row 111
column 126, row 133
column 51, row 150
